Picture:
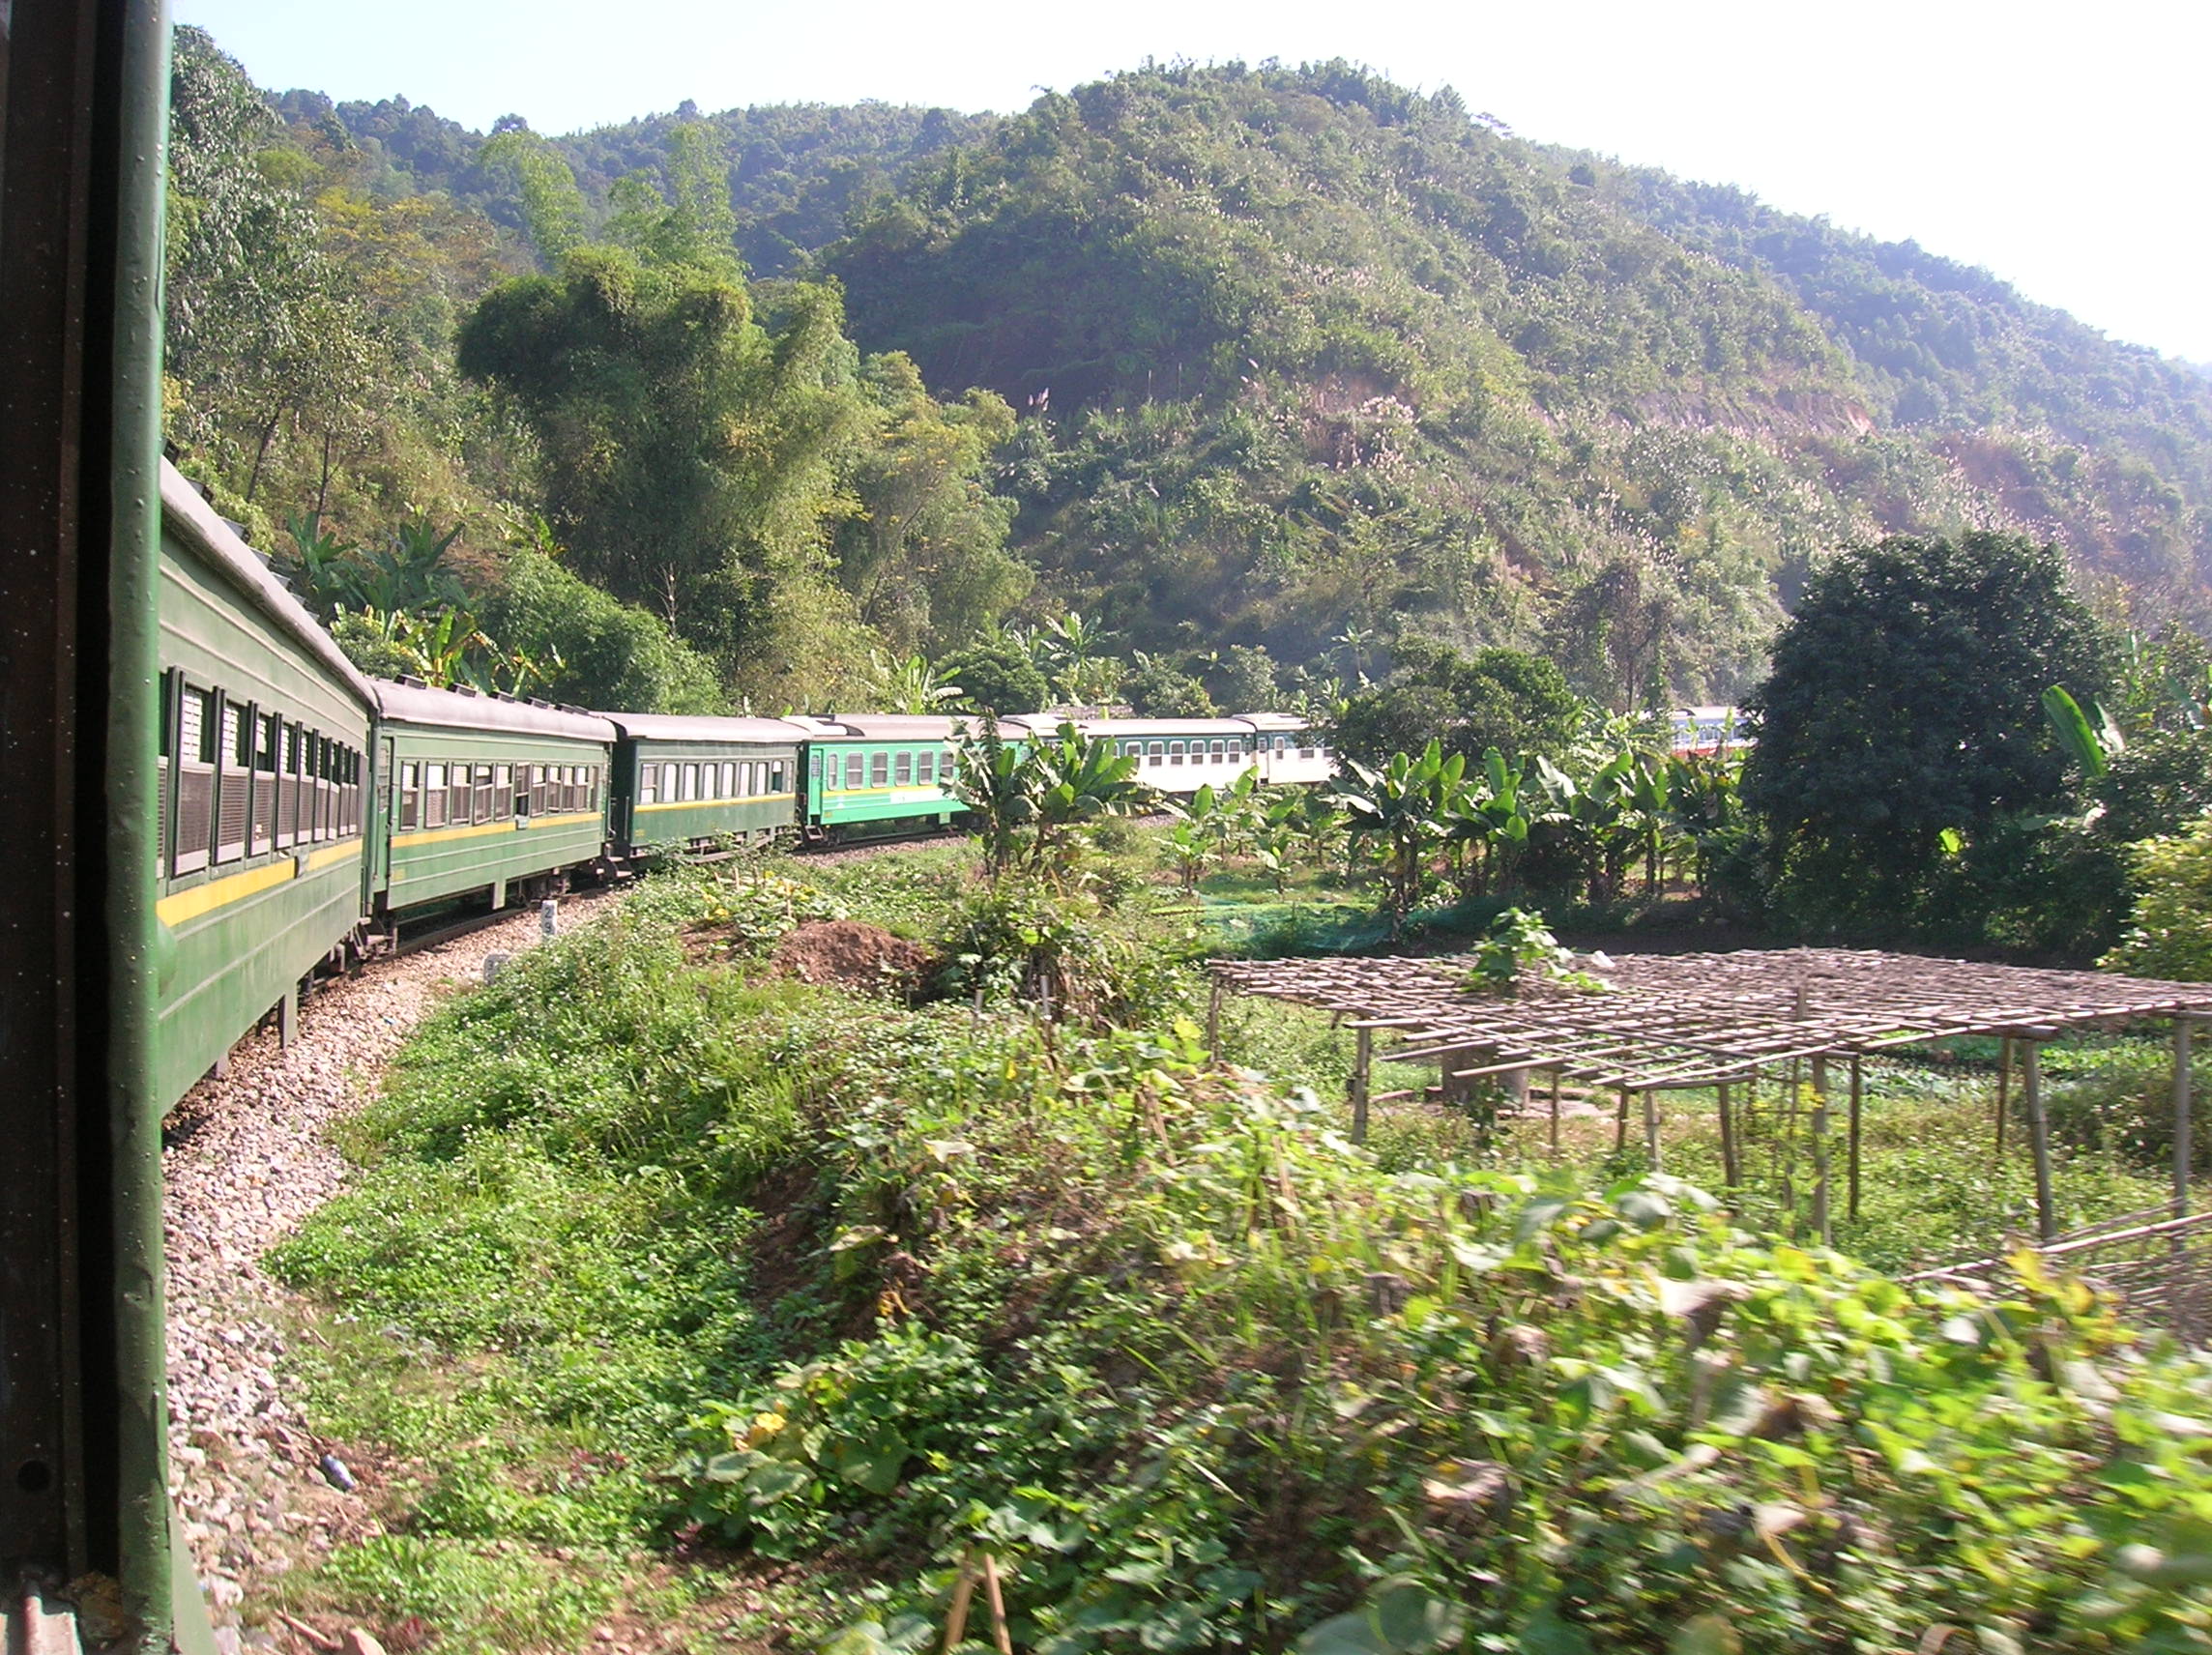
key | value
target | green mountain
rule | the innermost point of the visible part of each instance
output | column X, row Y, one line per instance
column 1307, row 360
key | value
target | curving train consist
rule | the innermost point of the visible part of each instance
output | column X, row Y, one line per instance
column 305, row 808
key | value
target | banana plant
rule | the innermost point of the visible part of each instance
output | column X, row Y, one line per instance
column 1403, row 805
column 1491, row 819
column 911, row 686
column 997, row 784
column 1077, row 778
column 1647, row 804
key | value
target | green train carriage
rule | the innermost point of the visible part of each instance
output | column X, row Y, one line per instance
column 485, row 796
column 869, row 775
column 261, row 773
column 695, row 784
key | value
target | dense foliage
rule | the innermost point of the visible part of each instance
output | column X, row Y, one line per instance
column 856, row 1296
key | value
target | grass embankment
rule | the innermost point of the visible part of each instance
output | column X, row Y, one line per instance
column 726, row 1309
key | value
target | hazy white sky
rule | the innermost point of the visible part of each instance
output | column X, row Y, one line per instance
column 2062, row 146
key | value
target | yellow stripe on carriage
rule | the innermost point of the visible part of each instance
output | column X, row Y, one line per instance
column 709, row 803
column 187, row 905
column 414, row 836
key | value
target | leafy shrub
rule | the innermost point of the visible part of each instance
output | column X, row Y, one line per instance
column 2169, row 934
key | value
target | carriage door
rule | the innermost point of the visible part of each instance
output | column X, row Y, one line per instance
column 388, row 792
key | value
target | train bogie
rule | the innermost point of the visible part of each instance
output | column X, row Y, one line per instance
column 262, row 770
column 483, row 793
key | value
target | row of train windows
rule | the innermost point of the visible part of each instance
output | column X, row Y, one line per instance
column 854, row 771
column 743, row 778
column 454, row 795
column 237, row 782
column 1226, row 750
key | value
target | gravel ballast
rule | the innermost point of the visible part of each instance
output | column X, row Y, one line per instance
column 248, row 1157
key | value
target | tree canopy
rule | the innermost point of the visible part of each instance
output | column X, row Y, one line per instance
column 1904, row 715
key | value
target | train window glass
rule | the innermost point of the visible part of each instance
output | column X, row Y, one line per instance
column 457, row 794
column 502, row 791
column 730, row 780
column 1174, row 752
column 233, row 751
column 925, row 769
column 814, row 765
column 195, row 782
column 572, row 790
column 856, row 767
column 711, row 782
column 902, row 772
column 879, row 770
column 410, row 795
column 687, row 782
column 484, row 793
column 433, row 795
column 1219, row 749
column 261, row 736
column 776, row 779
column 1159, row 750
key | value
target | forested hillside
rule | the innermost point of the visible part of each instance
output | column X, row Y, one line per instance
column 1300, row 359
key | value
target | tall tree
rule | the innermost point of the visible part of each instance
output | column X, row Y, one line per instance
column 1903, row 713
column 692, row 451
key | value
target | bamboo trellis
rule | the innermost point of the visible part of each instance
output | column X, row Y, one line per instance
column 1682, row 1022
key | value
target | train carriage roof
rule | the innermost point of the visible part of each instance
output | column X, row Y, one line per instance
column 451, row 710
column 1048, row 724
column 880, row 727
column 190, row 518
column 662, row 727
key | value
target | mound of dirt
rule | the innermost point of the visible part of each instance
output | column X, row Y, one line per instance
column 856, row 955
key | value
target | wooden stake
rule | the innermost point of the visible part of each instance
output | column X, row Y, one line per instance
column 2004, row 1083
column 962, row 1592
column 1620, row 1123
column 1855, row 1103
column 1728, row 1140
column 2039, row 1139
column 1651, row 1128
column 1363, row 1053
column 2183, row 1027
column 999, row 1635
column 1556, row 1113
column 1819, row 1129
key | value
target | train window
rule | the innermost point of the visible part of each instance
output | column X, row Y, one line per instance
column 1174, row 752
column 460, row 794
column 196, row 780
column 856, row 767
column 925, row 769
column 1219, row 750
column 502, row 791
column 814, row 765
column 687, row 782
column 234, row 751
column 163, row 766
column 410, row 795
column 902, row 771
column 573, row 792
column 1159, row 750
column 776, row 779
column 259, row 738
column 730, row 788
column 433, row 813
column 879, row 770
column 483, row 811
column 647, row 776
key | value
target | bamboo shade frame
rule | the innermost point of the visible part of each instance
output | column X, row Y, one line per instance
column 1670, row 1022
